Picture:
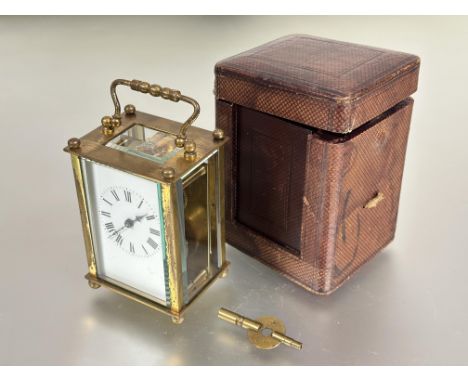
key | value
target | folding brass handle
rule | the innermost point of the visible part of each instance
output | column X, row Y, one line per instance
column 156, row 91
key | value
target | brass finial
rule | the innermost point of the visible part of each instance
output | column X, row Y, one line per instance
column 74, row 143
column 218, row 134
column 180, row 141
column 107, row 128
column 116, row 122
column 168, row 173
column 106, row 121
column 190, row 149
column 129, row 109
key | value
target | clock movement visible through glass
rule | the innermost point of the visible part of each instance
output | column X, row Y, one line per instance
column 144, row 142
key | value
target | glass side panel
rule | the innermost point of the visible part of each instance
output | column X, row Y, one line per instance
column 144, row 142
column 214, row 192
column 201, row 205
column 196, row 227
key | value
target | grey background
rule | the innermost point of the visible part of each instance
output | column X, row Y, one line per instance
column 407, row 306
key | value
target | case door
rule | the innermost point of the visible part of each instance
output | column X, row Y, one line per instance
column 271, row 168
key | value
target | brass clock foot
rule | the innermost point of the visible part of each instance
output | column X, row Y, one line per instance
column 224, row 274
column 93, row 285
column 177, row 320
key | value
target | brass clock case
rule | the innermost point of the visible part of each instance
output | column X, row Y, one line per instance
column 199, row 144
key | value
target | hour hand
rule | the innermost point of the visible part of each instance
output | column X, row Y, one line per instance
column 116, row 232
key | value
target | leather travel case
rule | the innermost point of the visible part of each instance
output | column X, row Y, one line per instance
column 313, row 170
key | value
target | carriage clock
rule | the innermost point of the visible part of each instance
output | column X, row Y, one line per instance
column 151, row 203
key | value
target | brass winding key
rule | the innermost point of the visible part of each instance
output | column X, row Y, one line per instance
column 266, row 332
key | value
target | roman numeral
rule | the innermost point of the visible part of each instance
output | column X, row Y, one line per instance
column 144, row 249
column 150, row 217
column 119, row 239
column 128, row 196
column 106, row 214
column 140, row 203
column 110, row 226
column 109, row 203
column 113, row 192
column 152, row 243
column 155, row 232
column 132, row 248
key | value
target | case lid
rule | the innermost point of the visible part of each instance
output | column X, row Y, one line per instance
column 327, row 84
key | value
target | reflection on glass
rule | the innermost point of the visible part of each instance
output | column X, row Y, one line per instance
column 146, row 143
column 201, row 226
column 196, row 227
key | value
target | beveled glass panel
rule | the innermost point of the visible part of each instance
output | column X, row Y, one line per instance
column 201, row 222
column 144, row 142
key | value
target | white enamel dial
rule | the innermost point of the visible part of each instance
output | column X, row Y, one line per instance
column 131, row 222
column 127, row 229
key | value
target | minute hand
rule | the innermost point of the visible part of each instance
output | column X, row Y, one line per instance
column 138, row 218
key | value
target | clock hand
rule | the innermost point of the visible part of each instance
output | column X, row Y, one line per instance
column 116, row 232
column 128, row 224
column 138, row 218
